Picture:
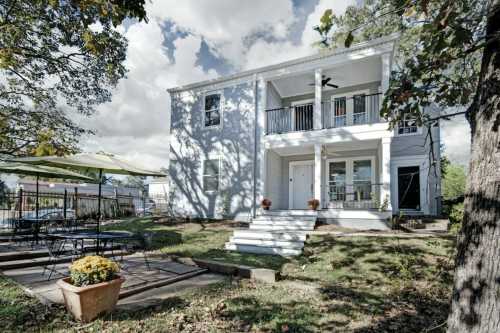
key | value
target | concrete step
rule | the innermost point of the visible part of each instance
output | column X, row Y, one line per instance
column 270, row 235
column 27, row 254
column 283, row 228
column 16, row 238
column 268, row 243
column 308, row 224
column 292, row 212
column 43, row 261
column 284, row 218
column 361, row 224
column 263, row 250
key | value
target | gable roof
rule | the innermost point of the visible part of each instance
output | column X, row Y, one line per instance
column 392, row 38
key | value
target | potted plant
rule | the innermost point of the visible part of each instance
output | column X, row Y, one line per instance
column 92, row 287
column 313, row 204
column 266, row 204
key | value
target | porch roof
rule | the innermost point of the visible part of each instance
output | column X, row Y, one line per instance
column 390, row 40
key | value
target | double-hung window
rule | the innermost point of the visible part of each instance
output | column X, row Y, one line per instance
column 212, row 109
column 211, row 172
column 407, row 125
column 359, row 110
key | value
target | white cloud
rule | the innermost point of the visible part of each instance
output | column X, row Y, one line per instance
column 225, row 23
column 135, row 124
column 265, row 53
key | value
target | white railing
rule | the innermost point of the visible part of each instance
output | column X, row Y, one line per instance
column 349, row 111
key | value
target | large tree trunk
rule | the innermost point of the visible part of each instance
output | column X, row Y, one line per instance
column 476, row 295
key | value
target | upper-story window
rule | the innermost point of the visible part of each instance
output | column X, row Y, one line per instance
column 359, row 109
column 407, row 125
column 211, row 172
column 212, row 110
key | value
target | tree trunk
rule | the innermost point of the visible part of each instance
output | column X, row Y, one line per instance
column 476, row 296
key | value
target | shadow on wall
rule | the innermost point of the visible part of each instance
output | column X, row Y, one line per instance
column 232, row 142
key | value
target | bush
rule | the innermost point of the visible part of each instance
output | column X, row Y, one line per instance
column 457, row 213
column 92, row 270
column 456, row 216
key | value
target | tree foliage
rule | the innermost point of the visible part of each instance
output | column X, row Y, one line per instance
column 57, row 58
column 453, row 181
column 455, row 61
column 438, row 55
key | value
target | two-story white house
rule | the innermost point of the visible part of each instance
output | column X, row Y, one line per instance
column 302, row 129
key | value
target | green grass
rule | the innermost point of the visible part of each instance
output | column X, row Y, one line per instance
column 202, row 239
column 20, row 312
column 353, row 284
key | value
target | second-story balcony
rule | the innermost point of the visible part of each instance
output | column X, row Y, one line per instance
column 336, row 112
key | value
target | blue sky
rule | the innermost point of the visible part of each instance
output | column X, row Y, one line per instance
column 190, row 40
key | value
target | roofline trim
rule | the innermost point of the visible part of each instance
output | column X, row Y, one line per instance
column 356, row 47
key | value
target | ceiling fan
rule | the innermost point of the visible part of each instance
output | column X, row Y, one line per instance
column 324, row 82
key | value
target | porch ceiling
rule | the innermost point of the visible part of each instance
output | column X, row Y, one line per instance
column 331, row 149
column 354, row 73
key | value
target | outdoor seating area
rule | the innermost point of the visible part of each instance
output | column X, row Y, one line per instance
column 38, row 270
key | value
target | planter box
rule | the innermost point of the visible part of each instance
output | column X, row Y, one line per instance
column 86, row 303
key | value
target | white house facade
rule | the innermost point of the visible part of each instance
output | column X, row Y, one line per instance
column 304, row 129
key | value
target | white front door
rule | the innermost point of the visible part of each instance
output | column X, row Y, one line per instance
column 301, row 184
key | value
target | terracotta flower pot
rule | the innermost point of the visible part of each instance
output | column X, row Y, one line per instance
column 86, row 303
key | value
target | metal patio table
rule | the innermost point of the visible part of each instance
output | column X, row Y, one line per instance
column 56, row 243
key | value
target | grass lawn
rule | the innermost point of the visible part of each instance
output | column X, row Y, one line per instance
column 350, row 284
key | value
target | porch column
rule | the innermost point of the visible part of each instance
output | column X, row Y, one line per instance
column 317, row 174
column 386, row 72
column 260, row 134
column 318, row 74
column 385, row 172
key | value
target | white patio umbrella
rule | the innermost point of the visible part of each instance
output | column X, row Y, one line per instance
column 41, row 171
column 102, row 162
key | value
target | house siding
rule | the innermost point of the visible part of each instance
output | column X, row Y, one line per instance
column 232, row 142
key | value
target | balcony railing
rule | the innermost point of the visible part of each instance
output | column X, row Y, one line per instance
column 290, row 119
column 360, row 195
column 340, row 112
column 349, row 111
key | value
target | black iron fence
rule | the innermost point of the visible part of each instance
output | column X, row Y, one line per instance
column 74, row 205
column 290, row 119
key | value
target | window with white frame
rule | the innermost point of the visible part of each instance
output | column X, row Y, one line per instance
column 211, row 172
column 407, row 125
column 359, row 109
column 212, row 110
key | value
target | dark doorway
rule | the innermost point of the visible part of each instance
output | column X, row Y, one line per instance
column 409, row 187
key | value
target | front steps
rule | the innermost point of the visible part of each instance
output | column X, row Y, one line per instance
column 274, row 232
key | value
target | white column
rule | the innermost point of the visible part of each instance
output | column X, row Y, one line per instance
column 318, row 75
column 386, row 71
column 385, row 172
column 318, row 163
column 261, row 132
